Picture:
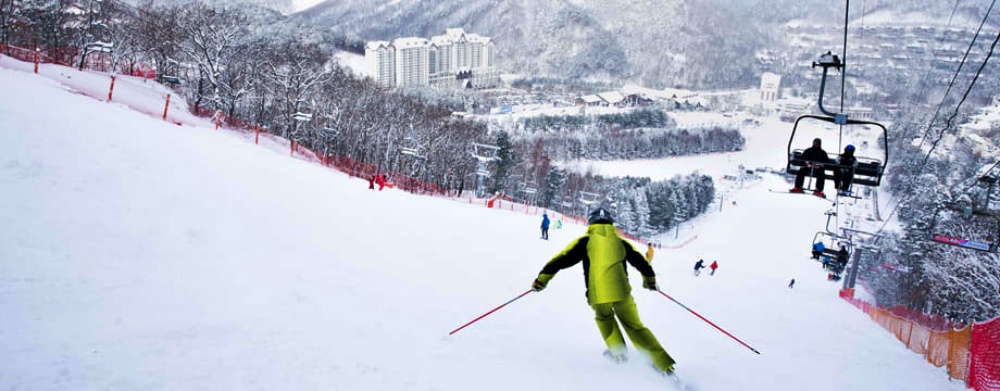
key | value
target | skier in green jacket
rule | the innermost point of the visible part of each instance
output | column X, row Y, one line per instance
column 604, row 254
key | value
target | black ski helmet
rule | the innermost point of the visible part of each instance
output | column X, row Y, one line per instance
column 600, row 215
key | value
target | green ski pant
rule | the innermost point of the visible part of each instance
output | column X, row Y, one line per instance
column 641, row 337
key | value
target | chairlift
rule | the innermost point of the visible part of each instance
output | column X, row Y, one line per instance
column 587, row 199
column 869, row 170
column 832, row 243
column 170, row 79
column 99, row 47
column 484, row 152
column 414, row 152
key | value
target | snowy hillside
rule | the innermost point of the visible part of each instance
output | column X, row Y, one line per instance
column 139, row 254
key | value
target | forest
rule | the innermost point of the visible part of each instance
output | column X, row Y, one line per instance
column 256, row 65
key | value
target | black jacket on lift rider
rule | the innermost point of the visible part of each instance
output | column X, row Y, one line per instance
column 815, row 158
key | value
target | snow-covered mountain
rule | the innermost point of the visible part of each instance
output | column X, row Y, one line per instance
column 704, row 43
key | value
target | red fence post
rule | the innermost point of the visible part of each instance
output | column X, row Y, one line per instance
column 112, row 90
column 38, row 57
column 165, row 107
column 218, row 119
column 256, row 138
column 292, row 153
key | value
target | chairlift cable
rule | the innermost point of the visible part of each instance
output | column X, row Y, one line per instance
column 954, row 78
column 937, row 111
column 958, row 107
column 843, row 74
column 843, row 88
column 923, row 85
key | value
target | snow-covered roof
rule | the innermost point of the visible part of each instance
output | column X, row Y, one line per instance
column 611, row 97
column 455, row 34
column 375, row 45
column 590, row 98
column 441, row 40
column 409, row 43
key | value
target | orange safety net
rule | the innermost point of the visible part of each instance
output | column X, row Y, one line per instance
column 970, row 353
column 958, row 353
column 948, row 347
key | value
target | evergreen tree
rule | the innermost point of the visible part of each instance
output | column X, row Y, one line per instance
column 502, row 168
column 555, row 181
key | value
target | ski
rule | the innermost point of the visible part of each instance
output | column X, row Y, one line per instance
column 676, row 381
column 804, row 193
column 616, row 358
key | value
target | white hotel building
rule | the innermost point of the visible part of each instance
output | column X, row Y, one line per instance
column 456, row 59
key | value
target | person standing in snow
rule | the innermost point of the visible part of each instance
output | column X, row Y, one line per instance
column 713, row 266
column 791, row 283
column 649, row 252
column 698, row 266
column 604, row 255
column 371, row 182
column 545, row 226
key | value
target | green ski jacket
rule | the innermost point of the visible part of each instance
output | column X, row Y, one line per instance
column 603, row 254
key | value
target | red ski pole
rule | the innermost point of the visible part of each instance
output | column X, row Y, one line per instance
column 491, row 311
column 708, row 321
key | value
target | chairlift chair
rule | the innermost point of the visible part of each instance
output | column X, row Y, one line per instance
column 170, row 79
column 302, row 117
column 869, row 170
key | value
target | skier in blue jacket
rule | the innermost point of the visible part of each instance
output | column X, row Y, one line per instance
column 545, row 226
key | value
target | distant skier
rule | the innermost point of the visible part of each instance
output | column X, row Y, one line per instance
column 817, row 250
column 380, row 180
column 698, row 266
column 545, row 226
column 371, row 182
column 815, row 158
column 649, row 252
column 559, row 224
column 713, row 266
column 791, row 283
column 604, row 255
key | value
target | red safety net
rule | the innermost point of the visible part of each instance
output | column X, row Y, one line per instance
column 984, row 365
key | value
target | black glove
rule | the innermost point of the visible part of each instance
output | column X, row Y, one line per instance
column 541, row 282
column 649, row 283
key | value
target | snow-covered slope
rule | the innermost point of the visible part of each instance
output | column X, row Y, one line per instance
column 138, row 254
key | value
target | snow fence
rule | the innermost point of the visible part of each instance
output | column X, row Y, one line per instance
column 970, row 353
